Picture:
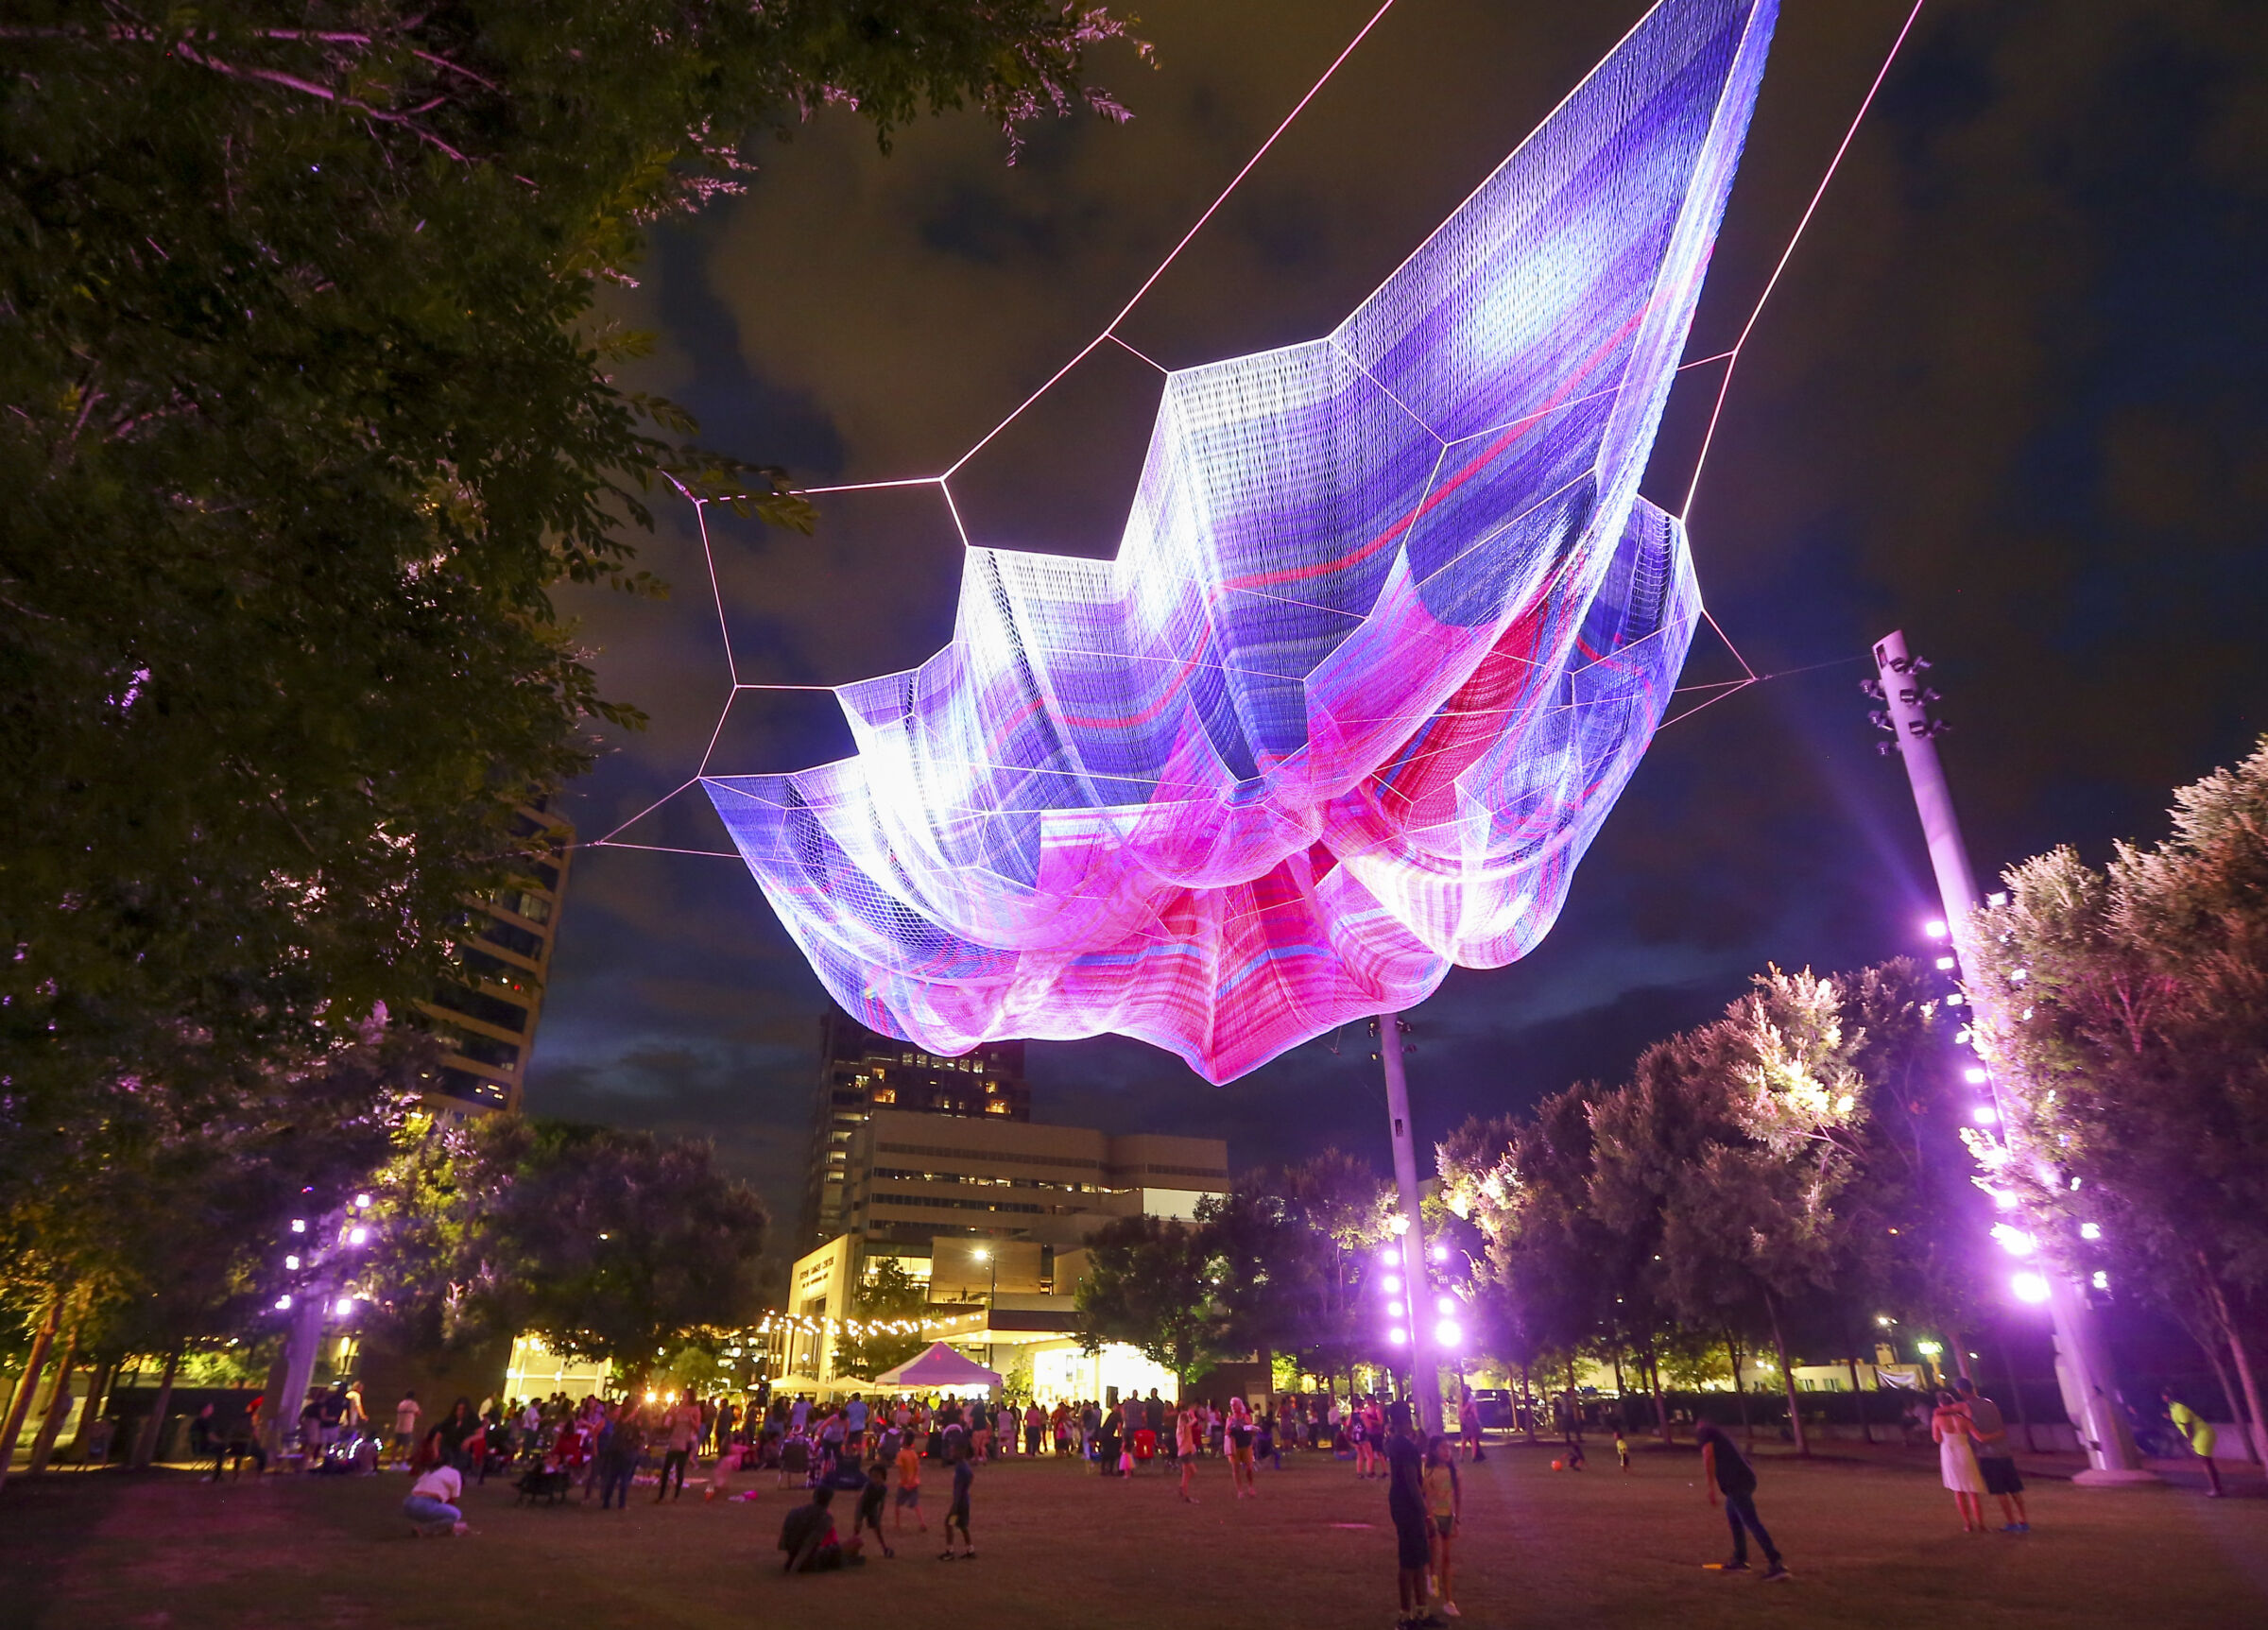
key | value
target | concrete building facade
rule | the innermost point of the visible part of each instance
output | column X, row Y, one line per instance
column 862, row 1070
column 487, row 1020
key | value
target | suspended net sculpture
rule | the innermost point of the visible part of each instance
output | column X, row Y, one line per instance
column 1386, row 634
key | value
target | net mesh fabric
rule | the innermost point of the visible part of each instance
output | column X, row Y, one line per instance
column 1386, row 634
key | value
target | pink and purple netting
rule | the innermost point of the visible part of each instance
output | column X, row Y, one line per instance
column 1385, row 637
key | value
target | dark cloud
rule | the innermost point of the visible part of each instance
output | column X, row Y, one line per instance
column 2010, row 396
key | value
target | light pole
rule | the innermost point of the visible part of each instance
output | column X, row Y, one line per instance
column 1425, row 1375
column 2079, row 1364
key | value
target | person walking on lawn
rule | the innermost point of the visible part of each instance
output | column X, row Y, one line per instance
column 1725, row 1470
column 2198, row 1433
column 683, row 1425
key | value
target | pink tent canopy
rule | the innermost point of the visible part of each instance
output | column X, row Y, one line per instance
column 941, row 1367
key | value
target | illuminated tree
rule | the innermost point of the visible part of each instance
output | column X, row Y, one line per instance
column 2134, row 1046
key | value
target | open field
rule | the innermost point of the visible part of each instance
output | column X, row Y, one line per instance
column 1872, row 1542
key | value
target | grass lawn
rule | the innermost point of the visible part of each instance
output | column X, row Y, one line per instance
column 1872, row 1542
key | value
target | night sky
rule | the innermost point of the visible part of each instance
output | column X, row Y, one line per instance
column 2010, row 396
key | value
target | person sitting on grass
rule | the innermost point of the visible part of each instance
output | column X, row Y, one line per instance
column 431, row 1504
column 808, row 1538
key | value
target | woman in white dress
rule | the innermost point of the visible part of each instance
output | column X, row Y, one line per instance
column 1957, row 1460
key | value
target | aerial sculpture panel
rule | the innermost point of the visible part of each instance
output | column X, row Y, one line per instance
column 1386, row 634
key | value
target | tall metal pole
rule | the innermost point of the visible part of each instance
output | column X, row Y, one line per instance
column 1425, row 1389
column 2080, row 1365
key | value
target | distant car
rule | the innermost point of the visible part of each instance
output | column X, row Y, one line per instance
column 1495, row 1407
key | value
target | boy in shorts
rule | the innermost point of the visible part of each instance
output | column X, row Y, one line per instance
column 964, row 1479
column 909, row 1487
column 869, row 1505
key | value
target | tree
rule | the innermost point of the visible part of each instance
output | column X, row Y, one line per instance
column 2132, row 1009
column 886, row 1296
column 607, row 1245
column 1269, row 1274
column 308, row 414
column 165, row 1223
column 1146, row 1286
column 1343, row 1205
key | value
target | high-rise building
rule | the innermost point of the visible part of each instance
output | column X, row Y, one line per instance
column 486, row 1024
column 862, row 1070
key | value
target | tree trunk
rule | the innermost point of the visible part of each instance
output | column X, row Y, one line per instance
column 1787, row 1378
column 1662, row 1409
column 2258, row 1426
column 97, row 1385
column 1575, row 1403
column 145, row 1450
column 1857, row 1400
column 34, row 1361
column 1961, row 1357
column 2228, row 1390
column 1740, row 1393
column 1527, row 1400
column 58, row 1403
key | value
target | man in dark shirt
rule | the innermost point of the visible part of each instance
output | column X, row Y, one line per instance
column 1725, row 1470
column 1405, row 1505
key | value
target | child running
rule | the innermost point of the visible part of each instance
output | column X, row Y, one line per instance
column 964, row 1477
column 909, row 1487
column 869, row 1505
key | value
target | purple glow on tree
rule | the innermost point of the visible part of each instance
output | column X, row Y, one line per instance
column 1387, row 632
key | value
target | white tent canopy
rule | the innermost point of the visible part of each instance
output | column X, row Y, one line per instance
column 940, row 1367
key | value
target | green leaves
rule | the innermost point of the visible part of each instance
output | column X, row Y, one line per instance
column 304, row 426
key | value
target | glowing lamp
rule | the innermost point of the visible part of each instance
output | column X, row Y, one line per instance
column 1984, row 1115
column 299, row 1225
column 1394, row 1308
column 981, row 1254
column 1399, row 1224
column 2100, row 1280
column 346, row 1308
column 2029, row 1288
column 1389, row 1255
column 2091, row 1230
column 1392, row 1282
column 1440, row 1253
column 283, row 1304
column 1974, row 1075
column 362, row 1202
column 2014, row 1240
column 1448, row 1334
column 1445, row 1306
column 358, row 1236
column 1945, row 964
column 291, row 1262
column 1398, row 1335
column 1935, row 929
column 1927, row 1350
column 2004, row 1198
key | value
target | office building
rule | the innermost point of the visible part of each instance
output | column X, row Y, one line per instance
column 861, row 1070
column 487, row 1020
column 992, row 1214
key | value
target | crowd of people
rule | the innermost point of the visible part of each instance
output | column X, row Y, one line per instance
column 856, row 1461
